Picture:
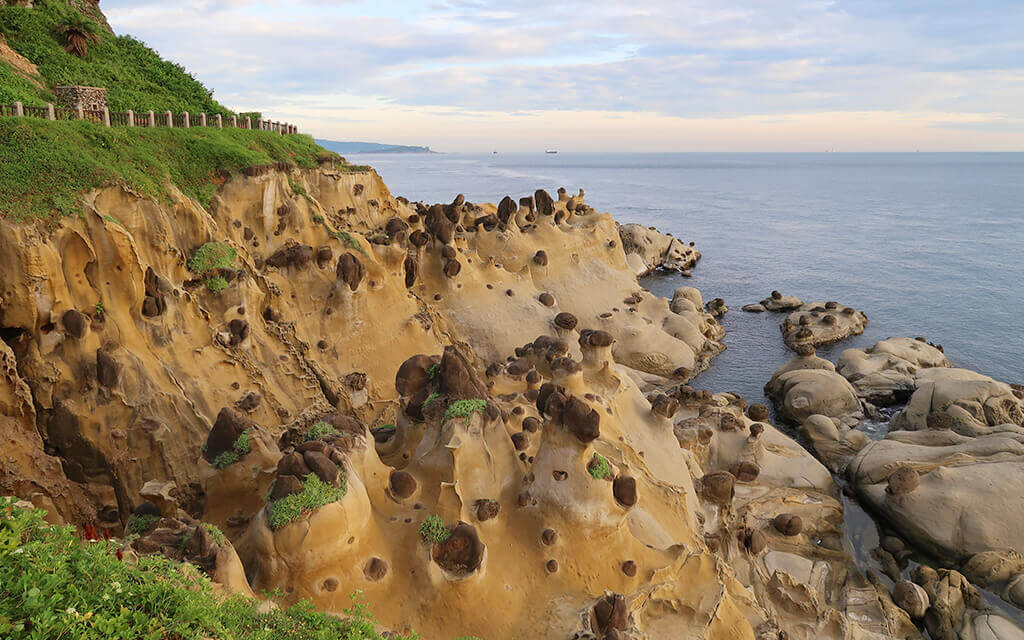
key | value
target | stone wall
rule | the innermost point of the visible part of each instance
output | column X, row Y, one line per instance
column 90, row 98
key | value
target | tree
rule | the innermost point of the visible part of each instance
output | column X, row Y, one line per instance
column 78, row 32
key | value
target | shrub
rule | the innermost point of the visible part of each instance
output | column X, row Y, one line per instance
column 241, row 444
column 433, row 396
column 434, row 530
column 320, row 430
column 53, row 585
column 141, row 524
column 599, row 467
column 212, row 256
column 315, row 494
column 216, row 284
column 464, row 408
column 225, row 459
column 215, row 533
column 433, row 369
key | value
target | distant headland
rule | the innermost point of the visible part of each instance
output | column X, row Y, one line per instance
column 370, row 147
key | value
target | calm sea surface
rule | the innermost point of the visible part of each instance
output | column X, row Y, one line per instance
column 926, row 244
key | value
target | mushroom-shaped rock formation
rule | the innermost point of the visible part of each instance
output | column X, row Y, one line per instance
column 461, row 553
column 350, row 270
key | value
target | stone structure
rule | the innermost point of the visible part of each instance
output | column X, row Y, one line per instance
column 88, row 98
column 16, row 3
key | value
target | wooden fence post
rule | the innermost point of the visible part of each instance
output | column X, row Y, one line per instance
column 19, row 110
column 151, row 119
column 220, row 121
column 50, row 113
column 170, row 118
column 202, row 119
column 131, row 117
column 248, row 122
column 234, row 122
column 185, row 118
column 106, row 117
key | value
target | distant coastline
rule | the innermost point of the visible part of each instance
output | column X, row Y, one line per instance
column 370, row 147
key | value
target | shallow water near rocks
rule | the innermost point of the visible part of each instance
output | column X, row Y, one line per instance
column 924, row 244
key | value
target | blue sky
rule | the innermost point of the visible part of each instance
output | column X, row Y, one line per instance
column 658, row 75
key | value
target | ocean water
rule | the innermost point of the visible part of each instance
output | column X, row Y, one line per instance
column 925, row 244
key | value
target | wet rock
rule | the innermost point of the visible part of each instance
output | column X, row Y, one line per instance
column 624, row 490
column 350, row 270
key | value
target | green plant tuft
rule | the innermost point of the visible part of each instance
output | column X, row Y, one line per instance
column 321, row 430
column 99, row 308
column 464, row 408
column 433, row 369
column 216, row 284
column 598, row 467
column 315, row 494
column 225, row 459
column 434, row 530
column 141, row 524
column 215, row 533
column 212, row 256
column 54, row 585
column 241, row 444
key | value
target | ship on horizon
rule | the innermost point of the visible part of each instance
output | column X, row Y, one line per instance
column 551, row 151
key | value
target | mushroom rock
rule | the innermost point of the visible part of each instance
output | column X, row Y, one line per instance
column 411, row 267
column 418, row 238
column 540, row 258
column 323, row 467
column 448, row 252
column 459, row 200
column 239, row 331
column 629, row 568
column 284, row 486
column 414, row 374
column 375, row 569
column 545, row 205
column 718, row 487
column 457, row 378
column 753, row 540
column 488, row 222
column 745, row 471
column 462, row 553
column 108, row 371
column 452, row 268
column 544, row 395
column 350, row 270
column 527, row 203
column 487, row 510
column 609, row 614
column 581, row 420
column 395, row 226
column 565, row 320
column 506, row 209
column 75, row 323
column 664, row 406
column 292, row 464
column 546, row 299
column 624, row 490
column 154, row 303
column 292, row 254
column 788, row 524
column 596, row 338
column 758, row 412
column 229, row 425
column 903, row 481
column 531, row 425
column 324, row 255
column 520, row 441
column 402, row 484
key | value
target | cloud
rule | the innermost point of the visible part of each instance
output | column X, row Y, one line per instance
column 691, row 59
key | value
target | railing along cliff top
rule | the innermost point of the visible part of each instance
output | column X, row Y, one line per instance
column 184, row 120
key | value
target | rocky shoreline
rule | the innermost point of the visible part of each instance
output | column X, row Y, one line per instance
column 477, row 408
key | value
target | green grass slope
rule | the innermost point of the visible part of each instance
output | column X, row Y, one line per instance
column 54, row 585
column 135, row 76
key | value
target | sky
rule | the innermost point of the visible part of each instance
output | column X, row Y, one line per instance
column 658, row 75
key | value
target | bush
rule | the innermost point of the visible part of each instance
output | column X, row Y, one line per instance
column 216, row 284
column 599, row 467
column 225, row 459
column 434, row 530
column 212, row 256
column 53, row 585
column 464, row 408
column 241, row 444
column 315, row 494
column 320, row 430
column 141, row 523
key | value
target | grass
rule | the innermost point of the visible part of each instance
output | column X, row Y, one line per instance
column 239, row 448
column 433, row 396
column 134, row 75
column 598, row 467
column 315, row 494
column 54, row 585
column 46, row 166
column 225, row 459
column 141, row 523
column 216, row 284
column 434, row 530
column 211, row 256
column 321, row 430
column 241, row 444
column 464, row 408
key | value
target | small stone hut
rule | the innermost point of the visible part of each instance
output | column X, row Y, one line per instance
column 90, row 98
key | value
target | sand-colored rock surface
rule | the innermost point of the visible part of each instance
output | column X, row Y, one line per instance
column 777, row 302
column 884, row 373
column 808, row 385
column 648, row 250
column 818, row 323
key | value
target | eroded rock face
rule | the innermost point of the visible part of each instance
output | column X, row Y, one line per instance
column 648, row 250
column 818, row 323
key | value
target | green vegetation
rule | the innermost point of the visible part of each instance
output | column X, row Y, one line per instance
column 215, row 533
column 53, row 585
column 433, row 369
column 99, row 309
column 225, row 459
column 434, row 530
column 315, row 494
column 241, row 444
column 464, row 408
column 320, row 430
column 141, row 524
column 216, row 284
column 71, row 49
column 433, row 396
column 211, row 256
column 46, row 166
column 599, row 467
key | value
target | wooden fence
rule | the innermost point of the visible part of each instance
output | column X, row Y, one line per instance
column 129, row 118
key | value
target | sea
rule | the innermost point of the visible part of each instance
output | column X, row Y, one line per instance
column 926, row 244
